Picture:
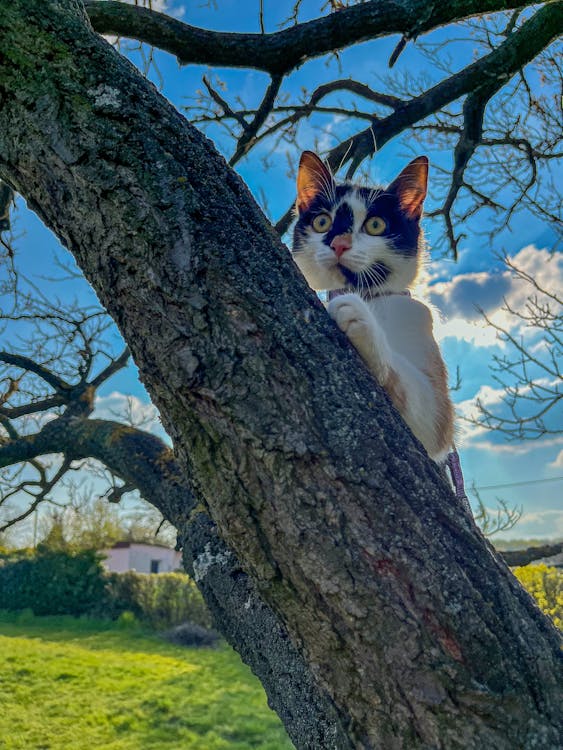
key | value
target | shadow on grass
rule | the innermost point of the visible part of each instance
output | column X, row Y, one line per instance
column 90, row 633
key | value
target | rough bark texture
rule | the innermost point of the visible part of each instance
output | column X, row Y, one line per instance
column 401, row 609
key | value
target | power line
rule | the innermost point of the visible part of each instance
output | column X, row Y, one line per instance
column 519, row 484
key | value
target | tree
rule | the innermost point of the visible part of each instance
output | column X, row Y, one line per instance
column 343, row 526
column 46, row 409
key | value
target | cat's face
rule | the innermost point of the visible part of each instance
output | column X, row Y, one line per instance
column 360, row 238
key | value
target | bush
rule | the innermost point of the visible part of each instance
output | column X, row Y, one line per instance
column 75, row 583
column 190, row 634
column 160, row 601
column 546, row 586
column 53, row 583
column 127, row 621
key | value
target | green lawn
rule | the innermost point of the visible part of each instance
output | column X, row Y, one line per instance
column 68, row 684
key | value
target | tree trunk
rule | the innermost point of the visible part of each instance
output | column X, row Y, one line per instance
column 400, row 608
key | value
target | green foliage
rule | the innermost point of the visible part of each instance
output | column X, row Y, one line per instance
column 546, row 586
column 160, row 601
column 70, row 684
column 93, row 523
column 53, row 582
column 127, row 621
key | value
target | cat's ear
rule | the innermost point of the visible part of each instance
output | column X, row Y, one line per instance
column 410, row 187
column 313, row 178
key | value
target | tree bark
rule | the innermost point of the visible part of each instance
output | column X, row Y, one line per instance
column 400, row 608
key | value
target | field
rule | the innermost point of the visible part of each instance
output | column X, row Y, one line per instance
column 68, row 684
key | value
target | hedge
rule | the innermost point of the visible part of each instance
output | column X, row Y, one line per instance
column 160, row 600
column 53, row 583
column 76, row 583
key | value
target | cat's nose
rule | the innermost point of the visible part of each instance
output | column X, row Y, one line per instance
column 341, row 243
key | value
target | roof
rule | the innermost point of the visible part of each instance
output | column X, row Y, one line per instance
column 123, row 545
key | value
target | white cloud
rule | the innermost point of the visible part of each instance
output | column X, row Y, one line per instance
column 546, row 523
column 467, row 432
column 557, row 463
column 517, row 449
column 459, row 299
column 494, row 400
column 474, row 332
column 130, row 410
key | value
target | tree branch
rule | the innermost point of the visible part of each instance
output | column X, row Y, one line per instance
column 248, row 135
column 33, row 407
column 281, row 52
column 518, row 49
column 114, row 366
column 27, row 363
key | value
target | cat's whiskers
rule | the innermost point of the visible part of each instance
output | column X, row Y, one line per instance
column 328, row 186
column 375, row 275
column 361, row 278
column 373, row 195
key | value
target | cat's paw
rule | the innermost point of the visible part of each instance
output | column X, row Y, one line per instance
column 352, row 316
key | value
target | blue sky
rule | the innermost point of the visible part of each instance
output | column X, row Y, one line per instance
column 455, row 289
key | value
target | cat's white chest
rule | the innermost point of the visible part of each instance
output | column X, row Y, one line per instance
column 407, row 324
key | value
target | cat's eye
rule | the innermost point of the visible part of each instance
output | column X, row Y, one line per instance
column 322, row 223
column 375, row 225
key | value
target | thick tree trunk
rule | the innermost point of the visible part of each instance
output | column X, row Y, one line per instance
column 400, row 608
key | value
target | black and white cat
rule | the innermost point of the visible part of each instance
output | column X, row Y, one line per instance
column 364, row 247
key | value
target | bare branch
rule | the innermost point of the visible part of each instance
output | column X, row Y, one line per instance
column 281, row 52
column 481, row 78
column 45, row 486
column 530, row 375
column 26, row 363
column 114, row 366
column 247, row 139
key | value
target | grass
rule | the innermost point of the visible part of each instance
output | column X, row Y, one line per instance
column 73, row 684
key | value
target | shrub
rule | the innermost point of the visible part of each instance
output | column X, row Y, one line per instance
column 546, row 586
column 160, row 601
column 52, row 583
column 127, row 621
column 75, row 583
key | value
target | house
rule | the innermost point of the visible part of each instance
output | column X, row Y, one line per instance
column 142, row 557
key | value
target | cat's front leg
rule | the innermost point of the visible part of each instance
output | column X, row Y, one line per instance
column 355, row 319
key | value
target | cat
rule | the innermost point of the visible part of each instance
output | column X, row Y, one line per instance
column 364, row 247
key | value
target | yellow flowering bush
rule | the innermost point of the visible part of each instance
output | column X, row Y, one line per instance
column 546, row 586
